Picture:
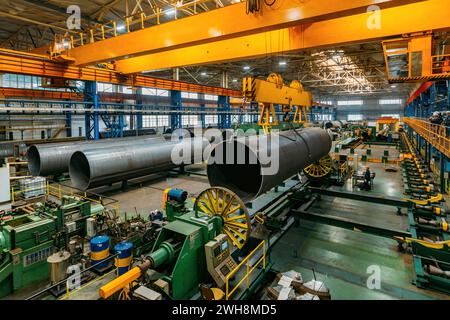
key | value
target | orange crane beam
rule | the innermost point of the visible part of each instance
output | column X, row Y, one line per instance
column 394, row 21
column 227, row 22
column 40, row 65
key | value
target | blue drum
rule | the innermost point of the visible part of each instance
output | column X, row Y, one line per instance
column 100, row 252
column 124, row 251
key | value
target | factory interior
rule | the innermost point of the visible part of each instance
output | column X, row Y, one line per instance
column 224, row 150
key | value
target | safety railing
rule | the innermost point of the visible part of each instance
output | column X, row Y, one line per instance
column 134, row 22
column 248, row 271
column 437, row 135
column 59, row 191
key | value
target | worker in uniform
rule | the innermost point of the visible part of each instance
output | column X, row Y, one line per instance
column 446, row 123
column 436, row 119
column 366, row 184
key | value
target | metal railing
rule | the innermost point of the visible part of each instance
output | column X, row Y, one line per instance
column 59, row 191
column 437, row 135
column 249, row 269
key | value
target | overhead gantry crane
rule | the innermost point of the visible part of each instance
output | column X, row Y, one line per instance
column 271, row 92
column 287, row 27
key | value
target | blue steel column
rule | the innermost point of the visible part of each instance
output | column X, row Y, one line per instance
column 91, row 97
column 432, row 100
column 223, row 104
column 68, row 121
column 139, row 107
column 201, row 97
column 176, row 105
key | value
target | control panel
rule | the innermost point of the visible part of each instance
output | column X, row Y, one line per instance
column 218, row 259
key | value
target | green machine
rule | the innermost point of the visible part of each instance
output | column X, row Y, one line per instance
column 176, row 253
column 25, row 242
column 28, row 239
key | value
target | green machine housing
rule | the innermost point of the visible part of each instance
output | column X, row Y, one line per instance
column 26, row 240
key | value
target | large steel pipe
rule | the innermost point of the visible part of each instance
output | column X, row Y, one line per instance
column 53, row 158
column 94, row 168
column 251, row 166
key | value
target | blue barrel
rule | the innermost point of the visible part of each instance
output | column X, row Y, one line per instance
column 178, row 195
column 99, row 252
column 124, row 251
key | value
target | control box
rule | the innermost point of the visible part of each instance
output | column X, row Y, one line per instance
column 218, row 259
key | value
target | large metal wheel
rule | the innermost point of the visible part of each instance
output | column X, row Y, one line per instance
column 218, row 201
column 320, row 169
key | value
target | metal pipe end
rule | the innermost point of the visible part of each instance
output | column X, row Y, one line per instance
column 79, row 171
column 34, row 161
column 235, row 166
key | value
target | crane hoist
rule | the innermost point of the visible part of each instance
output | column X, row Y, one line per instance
column 271, row 92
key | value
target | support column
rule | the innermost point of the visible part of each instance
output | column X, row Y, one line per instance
column 139, row 107
column 176, row 103
column 68, row 114
column 223, row 104
column 91, row 118
column 201, row 98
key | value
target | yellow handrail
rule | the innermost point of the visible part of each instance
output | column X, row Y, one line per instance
column 60, row 191
column 228, row 293
column 437, row 135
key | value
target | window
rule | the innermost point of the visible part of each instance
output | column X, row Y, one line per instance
column 104, row 87
column 393, row 115
column 149, row 91
column 149, row 121
column 350, row 103
column 328, row 102
column 211, row 119
column 127, row 90
column 154, row 121
column 354, row 117
column 390, row 101
column 189, row 120
column 189, row 95
column 211, row 97
column 163, row 121
column 162, row 93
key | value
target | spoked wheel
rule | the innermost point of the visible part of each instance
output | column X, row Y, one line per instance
column 218, row 201
column 320, row 169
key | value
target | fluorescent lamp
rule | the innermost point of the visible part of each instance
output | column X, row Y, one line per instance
column 170, row 12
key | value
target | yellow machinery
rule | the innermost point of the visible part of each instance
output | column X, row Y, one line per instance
column 392, row 123
column 273, row 91
column 412, row 59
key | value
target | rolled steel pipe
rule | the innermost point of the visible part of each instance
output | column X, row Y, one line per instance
column 269, row 160
column 93, row 168
column 53, row 158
